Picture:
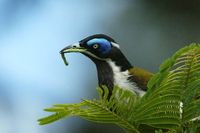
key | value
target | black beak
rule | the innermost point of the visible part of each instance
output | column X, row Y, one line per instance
column 64, row 49
column 71, row 48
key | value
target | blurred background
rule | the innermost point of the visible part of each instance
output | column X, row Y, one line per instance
column 32, row 32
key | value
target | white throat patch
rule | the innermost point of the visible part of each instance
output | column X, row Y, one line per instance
column 121, row 79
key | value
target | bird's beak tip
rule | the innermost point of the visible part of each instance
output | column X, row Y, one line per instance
column 71, row 48
column 64, row 50
column 61, row 52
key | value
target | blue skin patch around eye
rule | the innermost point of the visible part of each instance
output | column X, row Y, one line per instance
column 104, row 45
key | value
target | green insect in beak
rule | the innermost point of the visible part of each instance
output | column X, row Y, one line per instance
column 64, row 59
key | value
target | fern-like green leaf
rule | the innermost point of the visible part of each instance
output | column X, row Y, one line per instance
column 101, row 111
column 172, row 102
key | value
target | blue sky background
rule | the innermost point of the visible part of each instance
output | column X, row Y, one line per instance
column 33, row 75
column 32, row 32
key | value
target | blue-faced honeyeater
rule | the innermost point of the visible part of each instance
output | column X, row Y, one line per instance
column 113, row 68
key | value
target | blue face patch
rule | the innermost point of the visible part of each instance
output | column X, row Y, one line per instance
column 104, row 45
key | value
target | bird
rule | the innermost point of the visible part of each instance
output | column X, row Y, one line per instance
column 113, row 68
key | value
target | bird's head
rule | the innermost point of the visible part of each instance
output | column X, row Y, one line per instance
column 99, row 48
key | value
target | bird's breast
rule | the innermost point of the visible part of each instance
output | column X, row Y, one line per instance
column 121, row 79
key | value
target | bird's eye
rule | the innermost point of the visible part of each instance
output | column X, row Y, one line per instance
column 95, row 46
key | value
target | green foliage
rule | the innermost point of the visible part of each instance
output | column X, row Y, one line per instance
column 171, row 104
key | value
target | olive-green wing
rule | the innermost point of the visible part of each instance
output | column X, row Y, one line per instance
column 141, row 76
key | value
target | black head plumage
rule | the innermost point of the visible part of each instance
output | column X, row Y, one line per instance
column 97, row 36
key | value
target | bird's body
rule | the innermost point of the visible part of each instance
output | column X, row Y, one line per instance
column 113, row 68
